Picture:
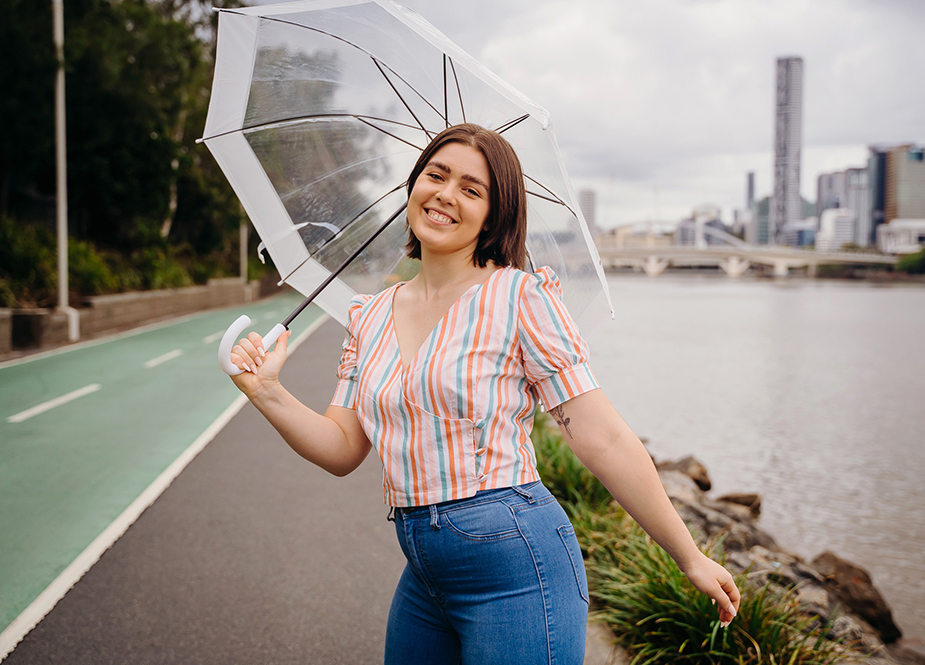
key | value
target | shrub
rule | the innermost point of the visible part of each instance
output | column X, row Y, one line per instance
column 914, row 264
column 654, row 611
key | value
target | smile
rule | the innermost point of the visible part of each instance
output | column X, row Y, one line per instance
column 439, row 218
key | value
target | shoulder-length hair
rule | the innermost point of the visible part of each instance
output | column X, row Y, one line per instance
column 503, row 240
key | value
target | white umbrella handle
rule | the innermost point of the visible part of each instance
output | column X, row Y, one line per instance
column 231, row 335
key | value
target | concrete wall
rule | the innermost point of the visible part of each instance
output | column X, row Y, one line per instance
column 6, row 331
column 30, row 328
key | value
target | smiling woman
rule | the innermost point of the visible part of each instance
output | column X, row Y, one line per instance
column 442, row 375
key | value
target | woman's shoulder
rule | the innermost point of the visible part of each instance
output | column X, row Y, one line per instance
column 544, row 279
column 362, row 305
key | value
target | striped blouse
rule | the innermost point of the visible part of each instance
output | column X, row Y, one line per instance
column 459, row 420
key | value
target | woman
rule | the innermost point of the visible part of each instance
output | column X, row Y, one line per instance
column 442, row 375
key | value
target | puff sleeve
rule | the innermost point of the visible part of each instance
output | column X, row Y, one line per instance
column 347, row 373
column 555, row 356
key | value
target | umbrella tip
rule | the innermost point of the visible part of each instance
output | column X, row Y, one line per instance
column 199, row 140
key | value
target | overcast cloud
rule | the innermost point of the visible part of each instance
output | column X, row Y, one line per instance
column 663, row 105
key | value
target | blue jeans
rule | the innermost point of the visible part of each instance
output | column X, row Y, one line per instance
column 495, row 578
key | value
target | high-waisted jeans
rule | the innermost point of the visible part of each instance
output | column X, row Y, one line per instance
column 495, row 578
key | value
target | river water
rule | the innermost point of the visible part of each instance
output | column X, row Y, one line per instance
column 811, row 393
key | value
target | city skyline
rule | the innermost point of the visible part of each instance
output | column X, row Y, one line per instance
column 664, row 106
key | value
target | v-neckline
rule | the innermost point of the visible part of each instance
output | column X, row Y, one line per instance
column 437, row 326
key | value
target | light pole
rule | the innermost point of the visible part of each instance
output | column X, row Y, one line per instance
column 73, row 319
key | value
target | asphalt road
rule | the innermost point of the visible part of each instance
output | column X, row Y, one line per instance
column 252, row 555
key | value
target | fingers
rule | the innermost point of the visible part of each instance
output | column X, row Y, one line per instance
column 248, row 353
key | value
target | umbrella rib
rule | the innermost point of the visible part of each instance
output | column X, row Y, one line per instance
column 397, row 138
column 458, row 91
column 446, row 105
column 512, row 123
column 555, row 198
column 546, row 198
column 297, row 118
column 402, row 99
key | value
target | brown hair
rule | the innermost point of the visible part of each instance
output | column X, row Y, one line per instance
column 504, row 238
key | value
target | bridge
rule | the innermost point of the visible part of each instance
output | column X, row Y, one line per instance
column 734, row 258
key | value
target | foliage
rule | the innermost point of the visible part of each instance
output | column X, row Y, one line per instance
column 654, row 611
column 138, row 76
column 29, row 267
column 913, row 264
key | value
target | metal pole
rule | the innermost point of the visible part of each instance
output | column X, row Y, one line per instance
column 242, row 249
column 57, row 7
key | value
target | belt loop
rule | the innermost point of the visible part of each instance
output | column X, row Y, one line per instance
column 524, row 493
column 391, row 517
column 434, row 524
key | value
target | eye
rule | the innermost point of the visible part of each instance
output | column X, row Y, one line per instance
column 474, row 192
column 435, row 176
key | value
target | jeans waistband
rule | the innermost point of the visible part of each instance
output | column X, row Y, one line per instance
column 530, row 492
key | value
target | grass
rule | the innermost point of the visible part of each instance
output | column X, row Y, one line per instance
column 653, row 610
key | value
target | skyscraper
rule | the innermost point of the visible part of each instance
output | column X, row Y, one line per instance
column 786, row 204
column 587, row 201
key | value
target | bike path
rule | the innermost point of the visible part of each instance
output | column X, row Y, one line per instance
column 252, row 555
column 84, row 431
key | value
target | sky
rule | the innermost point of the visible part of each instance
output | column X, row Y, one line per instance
column 664, row 105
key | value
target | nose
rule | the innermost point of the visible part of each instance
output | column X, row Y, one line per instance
column 446, row 194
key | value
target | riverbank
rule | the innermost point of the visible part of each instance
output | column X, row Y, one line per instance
column 826, row 597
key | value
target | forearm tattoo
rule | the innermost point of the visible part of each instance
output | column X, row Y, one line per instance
column 558, row 412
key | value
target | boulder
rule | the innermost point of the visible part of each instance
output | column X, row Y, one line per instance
column 852, row 586
column 691, row 468
column 750, row 501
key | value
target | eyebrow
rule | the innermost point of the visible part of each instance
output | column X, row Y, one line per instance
column 464, row 176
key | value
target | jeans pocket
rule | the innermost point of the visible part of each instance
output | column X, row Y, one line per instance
column 567, row 533
column 490, row 520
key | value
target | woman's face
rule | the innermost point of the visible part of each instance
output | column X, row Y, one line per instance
column 449, row 201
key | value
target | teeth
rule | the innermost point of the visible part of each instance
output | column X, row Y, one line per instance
column 439, row 217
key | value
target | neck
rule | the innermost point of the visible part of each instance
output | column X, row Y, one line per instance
column 447, row 271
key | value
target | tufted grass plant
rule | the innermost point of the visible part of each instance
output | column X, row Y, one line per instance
column 649, row 604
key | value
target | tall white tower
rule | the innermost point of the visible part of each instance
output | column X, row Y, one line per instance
column 786, row 204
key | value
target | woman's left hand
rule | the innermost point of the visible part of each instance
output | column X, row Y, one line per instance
column 715, row 581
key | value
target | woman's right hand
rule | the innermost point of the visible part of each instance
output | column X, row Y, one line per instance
column 261, row 367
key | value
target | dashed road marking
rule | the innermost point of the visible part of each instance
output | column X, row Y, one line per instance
column 154, row 362
column 51, row 404
column 214, row 337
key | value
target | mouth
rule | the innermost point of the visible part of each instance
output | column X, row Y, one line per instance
column 438, row 217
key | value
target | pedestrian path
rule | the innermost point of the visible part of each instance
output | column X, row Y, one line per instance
column 85, row 430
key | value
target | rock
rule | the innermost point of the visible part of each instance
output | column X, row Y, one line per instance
column 750, row 501
column 692, row 468
column 680, row 486
column 852, row 586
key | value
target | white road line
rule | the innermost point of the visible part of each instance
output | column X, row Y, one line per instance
column 52, row 403
column 55, row 591
column 154, row 362
column 214, row 337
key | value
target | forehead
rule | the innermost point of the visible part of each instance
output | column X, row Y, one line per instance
column 463, row 160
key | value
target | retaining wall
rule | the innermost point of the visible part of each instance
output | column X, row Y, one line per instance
column 31, row 328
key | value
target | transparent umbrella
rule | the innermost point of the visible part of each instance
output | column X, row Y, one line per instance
column 319, row 110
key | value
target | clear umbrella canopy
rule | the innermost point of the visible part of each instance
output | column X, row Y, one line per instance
column 319, row 110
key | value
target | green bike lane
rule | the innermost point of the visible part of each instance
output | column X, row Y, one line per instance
column 85, row 431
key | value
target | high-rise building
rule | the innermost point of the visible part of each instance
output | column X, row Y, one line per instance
column 847, row 190
column 587, row 201
column 896, row 178
column 858, row 201
column 836, row 228
column 786, row 205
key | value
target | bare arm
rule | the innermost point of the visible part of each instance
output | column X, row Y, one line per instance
column 334, row 441
column 608, row 447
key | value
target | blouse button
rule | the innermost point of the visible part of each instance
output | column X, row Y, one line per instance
column 480, row 424
column 480, row 451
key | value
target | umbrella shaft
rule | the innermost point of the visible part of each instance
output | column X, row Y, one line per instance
column 330, row 278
